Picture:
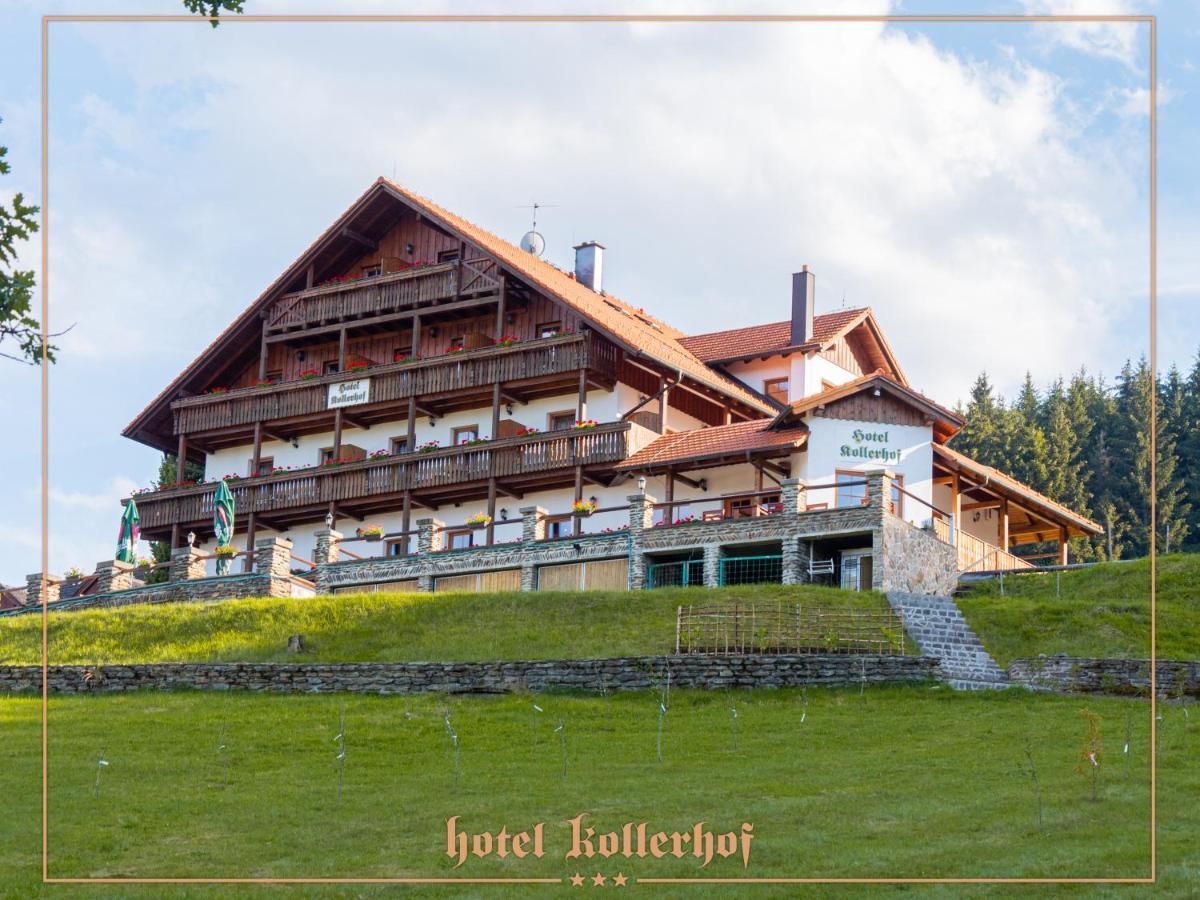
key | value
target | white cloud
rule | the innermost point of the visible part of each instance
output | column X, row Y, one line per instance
column 108, row 500
column 1120, row 41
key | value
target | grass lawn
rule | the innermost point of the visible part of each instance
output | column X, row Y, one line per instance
column 915, row 781
column 389, row 627
column 1102, row 611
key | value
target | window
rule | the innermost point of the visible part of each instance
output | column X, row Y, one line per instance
column 558, row 527
column 548, row 329
column 372, row 271
column 330, row 366
column 445, row 256
column 265, row 465
column 324, row 455
column 464, row 434
column 275, row 377
column 457, row 343
column 851, row 489
column 897, row 507
column 777, row 389
column 749, row 506
column 398, row 445
column 398, row 547
column 856, row 572
column 460, row 540
column 561, row 421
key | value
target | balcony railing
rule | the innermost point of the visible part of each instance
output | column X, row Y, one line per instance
column 399, row 381
column 381, row 295
column 388, row 475
column 976, row 555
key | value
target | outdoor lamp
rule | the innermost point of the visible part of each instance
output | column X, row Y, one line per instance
column 593, row 501
column 328, row 520
column 508, row 408
column 504, row 514
column 191, row 538
column 642, row 483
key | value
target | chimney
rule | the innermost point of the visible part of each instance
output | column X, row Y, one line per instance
column 804, row 290
column 589, row 265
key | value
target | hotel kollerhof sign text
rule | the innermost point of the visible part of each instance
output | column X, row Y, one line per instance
column 869, row 446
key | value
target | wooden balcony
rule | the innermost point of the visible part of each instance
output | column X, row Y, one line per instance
column 977, row 555
column 380, row 296
column 453, row 381
column 451, row 474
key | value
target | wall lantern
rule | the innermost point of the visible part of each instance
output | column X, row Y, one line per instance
column 593, row 501
column 876, row 392
column 191, row 538
column 508, row 408
column 504, row 515
column 329, row 520
column 431, row 421
column 642, row 483
column 408, row 248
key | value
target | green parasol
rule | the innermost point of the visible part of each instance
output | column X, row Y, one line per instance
column 223, row 523
column 128, row 535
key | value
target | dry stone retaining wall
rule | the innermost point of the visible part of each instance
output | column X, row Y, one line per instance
column 1176, row 678
column 593, row 675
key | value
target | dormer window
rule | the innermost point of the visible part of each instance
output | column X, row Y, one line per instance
column 445, row 256
column 372, row 271
column 777, row 389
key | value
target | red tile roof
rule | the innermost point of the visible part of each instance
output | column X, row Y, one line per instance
column 721, row 441
column 773, row 337
column 1002, row 483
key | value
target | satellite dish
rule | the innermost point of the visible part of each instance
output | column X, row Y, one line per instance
column 533, row 243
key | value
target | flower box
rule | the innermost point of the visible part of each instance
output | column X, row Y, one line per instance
column 217, row 390
column 309, row 374
column 507, row 340
column 479, row 520
column 581, row 424
column 428, row 447
column 370, row 532
column 583, row 508
column 225, row 551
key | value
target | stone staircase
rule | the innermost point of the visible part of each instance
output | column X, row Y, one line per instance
column 939, row 629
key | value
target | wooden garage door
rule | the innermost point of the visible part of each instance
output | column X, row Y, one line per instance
column 408, row 586
column 601, row 575
column 504, row 580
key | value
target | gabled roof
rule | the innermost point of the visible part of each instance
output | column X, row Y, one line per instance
column 769, row 339
column 717, row 443
column 946, row 422
column 639, row 332
column 774, row 339
column 1003, row 484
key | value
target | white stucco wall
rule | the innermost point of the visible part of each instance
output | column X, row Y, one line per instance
column 804, row 373
column 832, row 443
column 981, row 523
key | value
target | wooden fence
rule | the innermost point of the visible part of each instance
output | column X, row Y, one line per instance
column 788, row 628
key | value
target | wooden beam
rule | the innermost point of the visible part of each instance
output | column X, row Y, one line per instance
column 412, row 427
column 385, row 319
column 355, row 421
column 406, row 520
column 982, row 504
column 181, row 450
column 491, row 511
column 337, row 434
column 664, row 393
column 308, row 277
column 342, row 349
column 256, row 450
column 495, row 412
column 501, row 304
column 276, row 435
column 1004, row 525
column 360, row 238
column 581, row 402
column 248, row 559
column 577, row 526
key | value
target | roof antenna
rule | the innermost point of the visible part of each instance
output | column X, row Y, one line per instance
column 843, row 298
column 533, row 242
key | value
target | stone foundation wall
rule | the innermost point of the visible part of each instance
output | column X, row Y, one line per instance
column 592, row 675
column 913, row 560
column 224, row 587
column 1176, row 678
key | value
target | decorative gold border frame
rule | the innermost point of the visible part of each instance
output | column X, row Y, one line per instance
column 592, row 19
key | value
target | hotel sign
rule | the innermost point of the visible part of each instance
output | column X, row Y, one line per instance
column 349, row 393
column 869, row 446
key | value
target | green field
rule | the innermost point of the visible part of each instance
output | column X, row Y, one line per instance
column 915, row 781
column 1103, row 611
column 389, row 627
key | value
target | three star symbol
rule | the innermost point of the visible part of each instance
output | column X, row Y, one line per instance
column 599, row 880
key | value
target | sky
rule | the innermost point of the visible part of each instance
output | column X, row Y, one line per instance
column 983, row 187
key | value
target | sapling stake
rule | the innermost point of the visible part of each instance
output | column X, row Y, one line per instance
column 452, row 744
column 221, row 754
column 1037, row 784
column 803, row 703
column 561, row 730
column 733, row 726
column 1092, row 751
column 100, row 764
column 662, row 713
column 341, row 757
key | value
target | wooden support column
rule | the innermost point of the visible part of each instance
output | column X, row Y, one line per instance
column 462, row 251
column 956, row 505
column 262, row 353
column 1004, row 525
column 495, row 411
column 491, row 511
column 256, row 453
column 501, row 305
column 758, row 486
column 727, row 415
column 181, row 452
column 663, row 397
column 337, row 434
column 416, row 335
column 1063, row 548
column 308, row 278
column 581, row 403
column 175, row 529
column 577, row 521
column 669, row 492
column 412, row 424
column 251, row 528
column 406, row 520
column 342, row 350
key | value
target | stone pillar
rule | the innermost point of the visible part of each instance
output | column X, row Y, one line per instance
column 533, row 524
column 273, row 556
column 712, row 565
column 792, row 571
column 429, row 535
column 793, row 496
column 33, row 588
column 113, row 575
column 328, row 548
column 187, row 564
column 879, row 488
column 641, row 519
column 429, row 540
